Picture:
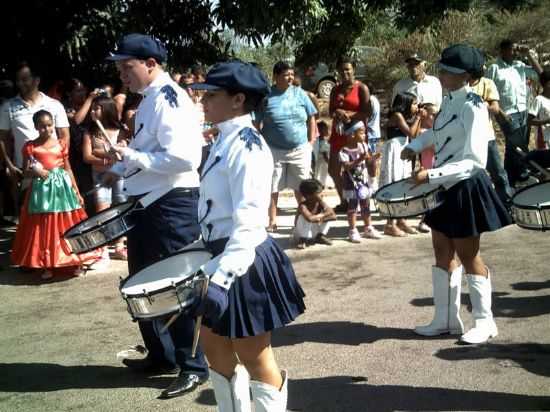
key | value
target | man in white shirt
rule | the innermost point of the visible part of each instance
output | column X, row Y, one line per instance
column 511, row 78
column 16, row 118
column 426, row 88
column 160, row 171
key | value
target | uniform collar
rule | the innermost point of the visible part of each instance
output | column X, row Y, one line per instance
column 459, row 93
column 159, row 81
column 229, row 126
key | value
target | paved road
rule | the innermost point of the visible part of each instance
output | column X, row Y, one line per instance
column 353, row 350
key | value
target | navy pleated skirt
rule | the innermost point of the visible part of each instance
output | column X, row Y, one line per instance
column 268, row 296
column 470, row 208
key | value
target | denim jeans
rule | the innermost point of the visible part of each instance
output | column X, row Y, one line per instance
column 497, row 173
column 516, row 134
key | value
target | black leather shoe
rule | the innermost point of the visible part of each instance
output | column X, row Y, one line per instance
column 150, row 366
column 184, row 383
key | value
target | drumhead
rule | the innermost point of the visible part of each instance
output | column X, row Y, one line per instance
column 162, row 274
column 103, row 217
column 403, row 190
column 535, row 196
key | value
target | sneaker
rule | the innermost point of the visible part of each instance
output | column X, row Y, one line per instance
column 423, row 227
column 323, row 240
column 372, row 233
column 354, row 236
column 301, row 243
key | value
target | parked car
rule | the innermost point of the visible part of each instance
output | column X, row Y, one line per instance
column 321, row 78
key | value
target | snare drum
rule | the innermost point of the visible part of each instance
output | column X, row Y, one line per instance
column 400, row 199
column 531, row 207
column 167, row 286
column 101, row 229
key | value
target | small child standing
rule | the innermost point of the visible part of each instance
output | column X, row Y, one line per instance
column 314, row 216
column 52, row 205
column 354, row 156
column 321, row 151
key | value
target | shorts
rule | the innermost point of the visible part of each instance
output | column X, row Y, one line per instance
column 112, row 194
column 290, row 167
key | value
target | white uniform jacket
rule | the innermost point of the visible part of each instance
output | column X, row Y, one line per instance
column 459, row 134
column 235, row 191
column 165, row 151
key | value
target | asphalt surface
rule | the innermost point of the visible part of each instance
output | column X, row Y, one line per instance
column 353, row 349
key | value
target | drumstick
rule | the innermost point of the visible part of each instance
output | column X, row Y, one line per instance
column 541, row 169
column 108, row 142
column 170, row 321
column 198, row 321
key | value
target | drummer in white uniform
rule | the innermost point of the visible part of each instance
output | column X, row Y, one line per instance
column 471, row 205
column 160, row 169
column 253, row 289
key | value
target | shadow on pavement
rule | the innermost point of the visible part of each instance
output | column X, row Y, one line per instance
column 505, row 306
column 341, row 393
column 341, row 333
column 47, row 377
column 16, row 277
column 532, row 357
column 531, row 285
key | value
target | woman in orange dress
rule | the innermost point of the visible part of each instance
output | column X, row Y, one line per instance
column 52, row 205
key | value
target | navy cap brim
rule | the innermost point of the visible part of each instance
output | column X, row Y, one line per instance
column 450, row 69
column 203, row 86
column 116, row 57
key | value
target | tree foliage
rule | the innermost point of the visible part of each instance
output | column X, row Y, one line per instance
column 71, row 38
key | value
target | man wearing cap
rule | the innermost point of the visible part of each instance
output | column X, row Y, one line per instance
column 160, row 169
column 511, row 78
column 426, row 88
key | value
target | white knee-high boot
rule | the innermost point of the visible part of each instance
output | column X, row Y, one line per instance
column 232, row 395
column 446, row 289
column 267, row 398
column 480, row 296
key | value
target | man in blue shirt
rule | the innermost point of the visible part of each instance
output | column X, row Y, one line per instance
column 511, row 78
column 287, row 122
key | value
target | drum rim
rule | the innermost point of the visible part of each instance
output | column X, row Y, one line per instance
column 438, row 188
column 107, row 222
column 166, row 288
column 529, row 207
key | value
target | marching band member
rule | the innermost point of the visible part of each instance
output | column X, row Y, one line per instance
column 253, row 289
column 160, row 168
column 471, row 205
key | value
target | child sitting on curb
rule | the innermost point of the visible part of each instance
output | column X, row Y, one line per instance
column 314, row 216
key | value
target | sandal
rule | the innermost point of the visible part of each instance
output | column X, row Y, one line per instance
column 391, row 230
column 407, row 229
column 121, row 253
column 271, row 228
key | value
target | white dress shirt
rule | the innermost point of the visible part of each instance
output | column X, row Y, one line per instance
column 235, row 192
column 427, row 90
column 165, row 151
column 460, row 138
column 16, row 116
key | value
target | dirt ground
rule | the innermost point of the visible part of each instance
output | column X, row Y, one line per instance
column 353, row 349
